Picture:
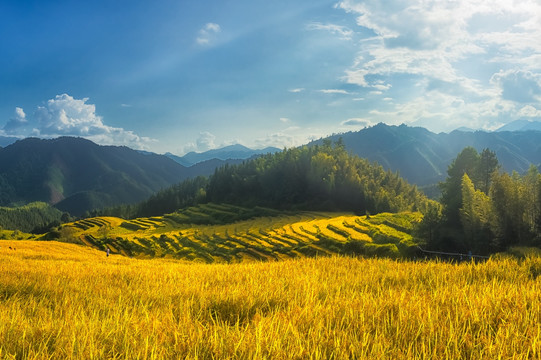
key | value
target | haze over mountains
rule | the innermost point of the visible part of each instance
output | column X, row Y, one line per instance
column 521, row 125
column 77, row 175
column 236, row 151
column 422, row 157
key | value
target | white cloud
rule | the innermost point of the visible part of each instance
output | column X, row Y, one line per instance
column 379, row 85
column 342, row 31
column 428, row 37
column 358, row 122
column 279, row 140
column 19, row 114
column 519, row 86
column 16, row 123
column 208, row 34
column 298, row 90
column 289, row 137
column 204, row 142
column 334, row 91
column 437, row 57
column 530, row 111
column 67, row 116
column 285, row 120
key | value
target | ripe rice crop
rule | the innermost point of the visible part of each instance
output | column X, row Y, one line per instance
column 68, row 301
column 284, row 235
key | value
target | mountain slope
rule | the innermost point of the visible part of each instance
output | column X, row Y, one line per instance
column 78, row 175
column 422, row 157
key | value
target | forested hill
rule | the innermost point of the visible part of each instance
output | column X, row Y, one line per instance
column 78, row 175
column 422, row 157
column 322, row 177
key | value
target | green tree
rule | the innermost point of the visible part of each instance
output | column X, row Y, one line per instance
column 488, row 164
column 467, row 162
column 475, row 215
column 429, row 227
column 508, row 199
column 531, row 193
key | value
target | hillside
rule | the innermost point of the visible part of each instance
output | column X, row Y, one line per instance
column 36, row 216
column 235, row 234
column 319, row 178
column 77, row 175
column 422, row 157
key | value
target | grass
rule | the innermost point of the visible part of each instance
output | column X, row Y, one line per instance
column 68, row 301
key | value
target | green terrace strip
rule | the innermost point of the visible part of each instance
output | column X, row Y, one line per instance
column 227, row 233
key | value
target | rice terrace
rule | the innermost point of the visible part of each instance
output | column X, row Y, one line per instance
column 265, row 238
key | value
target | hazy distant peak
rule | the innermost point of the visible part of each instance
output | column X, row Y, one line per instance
column 230, row 152
column 521, row 125
column 465, row 129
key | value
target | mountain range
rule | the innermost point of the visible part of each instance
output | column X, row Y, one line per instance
column 422, row 157
column 77, row 175
column 521, row 125
column 236, row 151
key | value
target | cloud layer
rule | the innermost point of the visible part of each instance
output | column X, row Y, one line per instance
column 441, row 55
column 16, row 122
column 67, row 116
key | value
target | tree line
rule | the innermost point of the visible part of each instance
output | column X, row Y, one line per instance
column 484, row 209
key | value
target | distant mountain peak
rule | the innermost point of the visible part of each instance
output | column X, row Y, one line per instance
column 521, row 125
column 465, row 129
column 230, row 152
column 235, row 147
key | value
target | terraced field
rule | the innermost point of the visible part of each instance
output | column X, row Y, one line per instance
column 206, row 233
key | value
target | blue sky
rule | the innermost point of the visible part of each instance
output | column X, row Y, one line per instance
column 191, row 75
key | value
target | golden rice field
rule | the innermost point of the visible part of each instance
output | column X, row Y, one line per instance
column 277, row 237
column 66, row 301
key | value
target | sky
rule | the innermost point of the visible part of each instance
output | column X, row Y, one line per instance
column 192, row 75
